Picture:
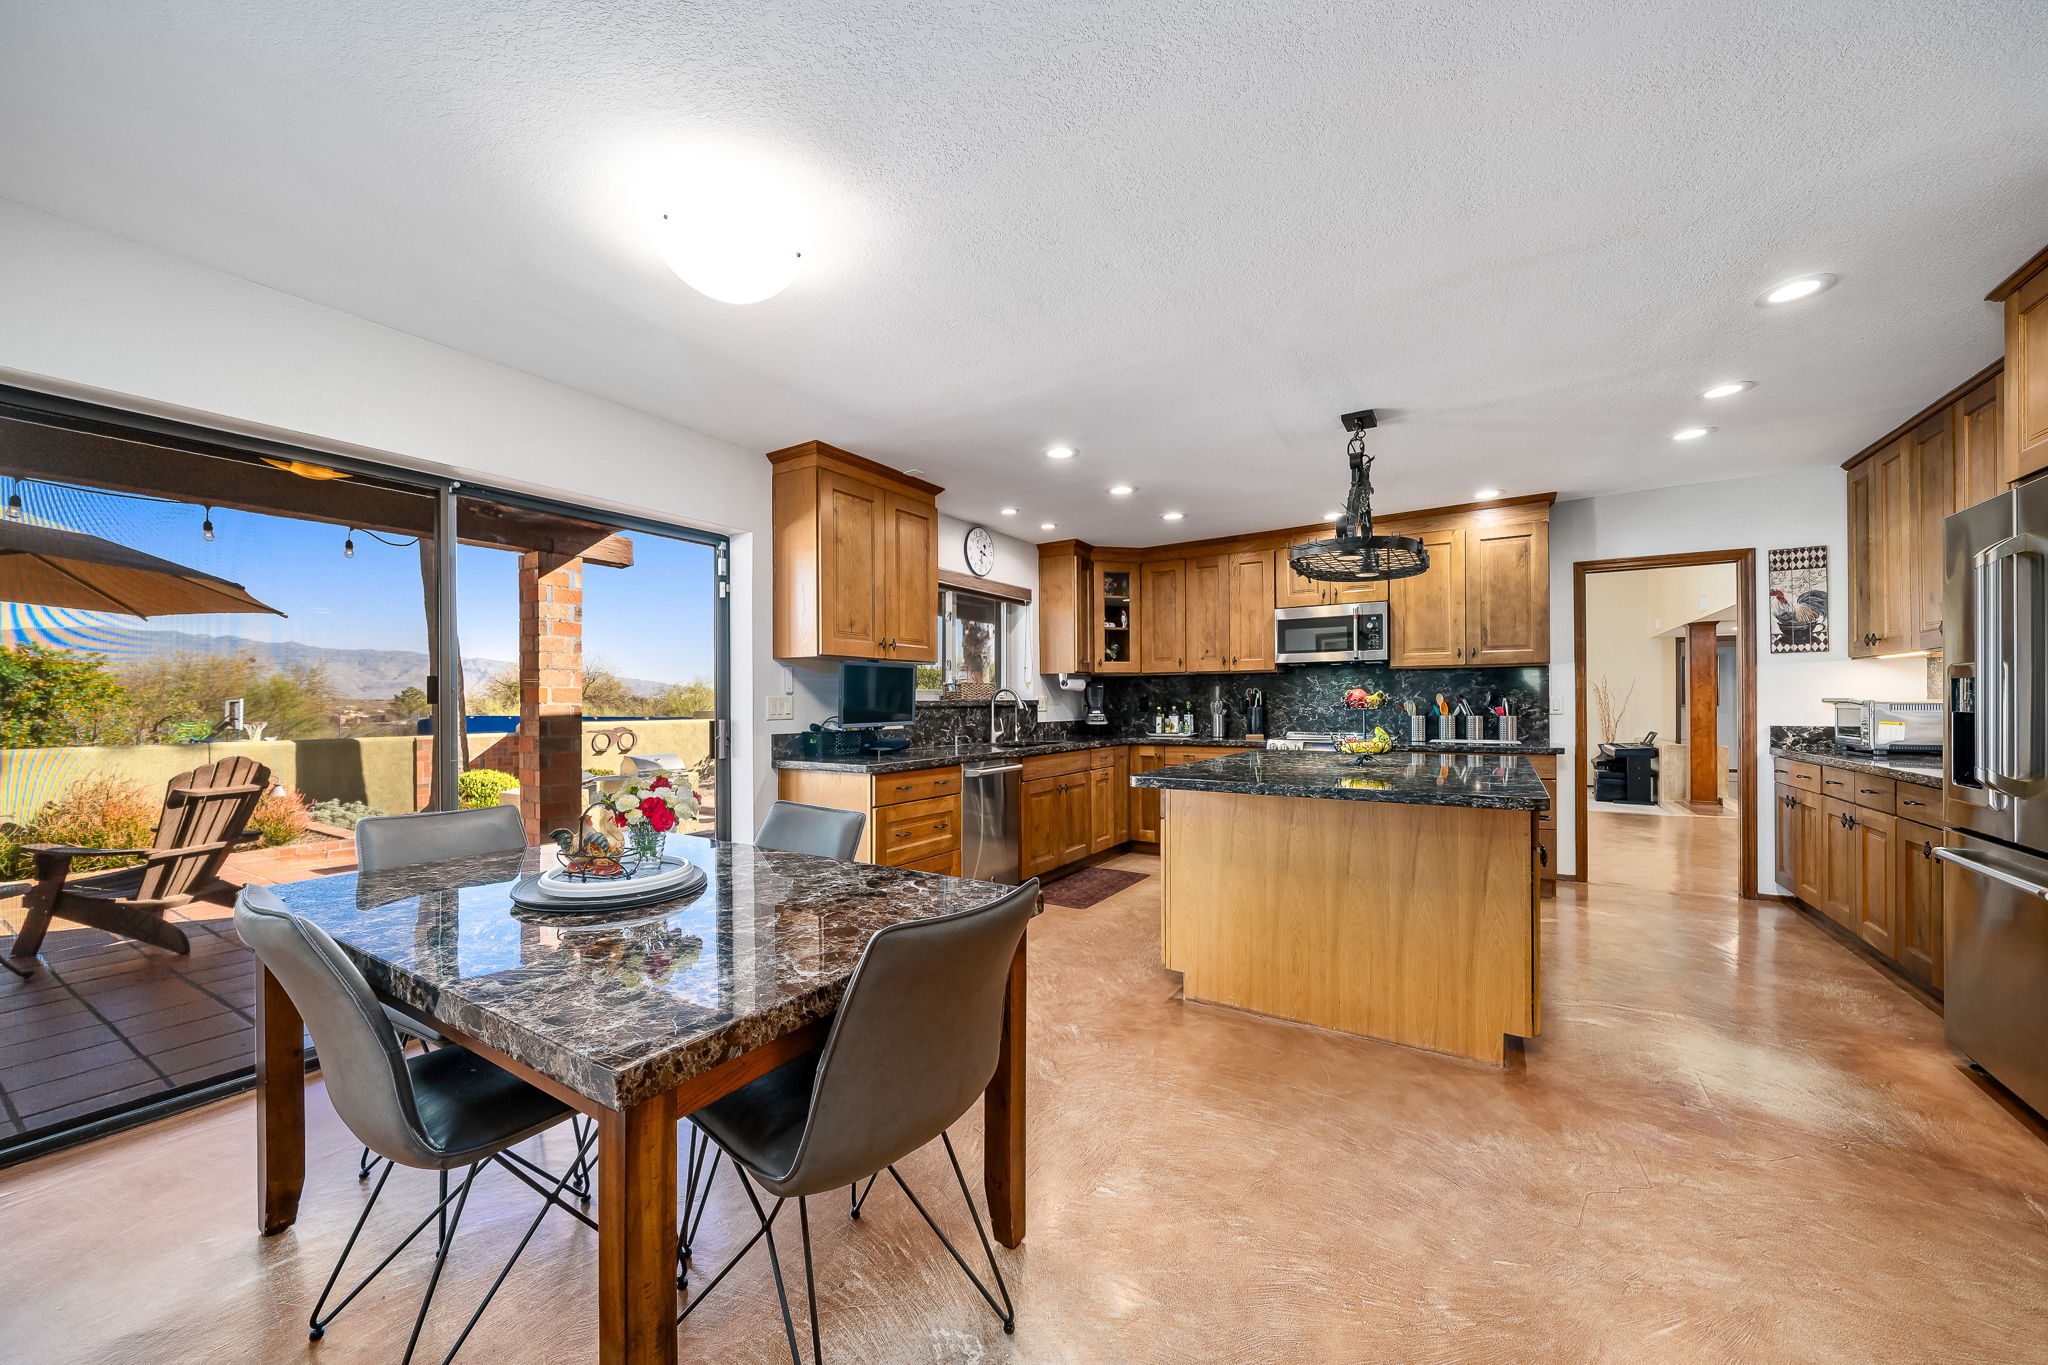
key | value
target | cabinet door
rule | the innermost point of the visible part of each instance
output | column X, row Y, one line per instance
column 1290, row 589
column 1978, row 433
column 1375, row 591
column 1120, row 805
column 1785, row 825
column 1810, row 872
column 852, row 553
column 1838, row 890
column 1144, row 819
column 1507, row 595
column 1880, row 503
column 1251, row 612
column 1116, row 616
column 910, row 578
column 1875, row 835
column 1162, row 633
column 1916, row 882
column 1427, row 612
column 1208, row 614
column 1077, row 823
column 1933, row 460
column 2026, row 378
column 1104, row 801
column 1041, row 832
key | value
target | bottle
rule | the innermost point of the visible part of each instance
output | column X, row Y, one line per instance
column 1172, row 720
column 1158, row 721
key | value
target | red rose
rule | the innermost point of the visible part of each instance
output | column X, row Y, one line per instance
column 662, row 818
column 658, row 783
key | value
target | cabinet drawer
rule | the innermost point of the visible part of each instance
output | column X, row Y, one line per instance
column 1104, row 758
column 893, row 789
column 1838, row 783
column 917, row 830
column 1873, row 793
column 1546, row 768
column 1919, row 803
column 945, row 864
column 1805, row 776
column 1056, row 765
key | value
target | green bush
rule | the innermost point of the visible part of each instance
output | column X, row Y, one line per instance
column 100, row 812
column 483, row 786
column 280, row 818
column 343, row 814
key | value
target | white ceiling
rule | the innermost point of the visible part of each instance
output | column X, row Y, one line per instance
column 1181, row 236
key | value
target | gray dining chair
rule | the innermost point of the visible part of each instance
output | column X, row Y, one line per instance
column 440, row 1111
column 790, row 827
column 912, row 1048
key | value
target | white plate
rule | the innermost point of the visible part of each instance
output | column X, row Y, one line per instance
column 557, row 884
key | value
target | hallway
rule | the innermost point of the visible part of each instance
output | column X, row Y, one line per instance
column 1734, row 1141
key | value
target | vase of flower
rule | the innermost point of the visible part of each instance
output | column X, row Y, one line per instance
column 648, row 811
column 646, row 841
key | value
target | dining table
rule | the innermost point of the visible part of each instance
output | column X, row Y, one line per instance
column 635, row 1018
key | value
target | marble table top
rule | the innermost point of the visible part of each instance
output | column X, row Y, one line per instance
column 626, row 1005
column 1497, row 781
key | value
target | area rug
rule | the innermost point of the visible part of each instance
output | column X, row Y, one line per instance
column 1089, row 885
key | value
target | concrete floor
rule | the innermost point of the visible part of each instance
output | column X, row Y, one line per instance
column 1734, row 1141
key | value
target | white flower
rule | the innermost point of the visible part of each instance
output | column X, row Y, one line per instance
column 625, row 803
column 636, row 817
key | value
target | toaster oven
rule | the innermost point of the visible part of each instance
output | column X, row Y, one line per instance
column 1879, row 727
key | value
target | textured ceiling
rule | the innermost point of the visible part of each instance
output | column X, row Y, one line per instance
column 1180, row 236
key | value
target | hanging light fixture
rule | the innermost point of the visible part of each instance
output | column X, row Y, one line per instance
column 1354, row 554
column 348, row 546
column 206, row 527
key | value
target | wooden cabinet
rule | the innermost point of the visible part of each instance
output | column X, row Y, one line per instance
column 1873, row 838
column 1428, row 610
column 1932, row 465
column 1290, row 589
column 1880, row 552
column 1838, row 884
column 1978, row 434
column 1251, row 612
column 1144, row 801
column 856, row 558
column 1116, row 616
column 1916, row 885
column 1207, row 614
column 913, row 817
column 1810, row 870
column 1041, row 825
column 1162, row 633
column 1785, row 837
column 1109, row 816
column 1507, row 595
column 1067, row 590
column 2025, row 296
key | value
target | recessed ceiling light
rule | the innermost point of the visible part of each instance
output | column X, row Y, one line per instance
column 1690, row 433
column 1047, row 525
column 1009, row 511
column 1806, row 286
column 1487, row 493
column 1728, row 390
column 1171, row 516
column 1059, row 452
column 1122, row 490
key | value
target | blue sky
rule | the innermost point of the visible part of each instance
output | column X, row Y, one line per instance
column 650, row 621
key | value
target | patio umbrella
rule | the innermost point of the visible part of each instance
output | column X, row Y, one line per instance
column 43, row 566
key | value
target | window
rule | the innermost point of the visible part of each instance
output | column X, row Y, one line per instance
column 973, row 645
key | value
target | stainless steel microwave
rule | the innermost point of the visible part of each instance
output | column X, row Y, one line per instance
column 1341, row 633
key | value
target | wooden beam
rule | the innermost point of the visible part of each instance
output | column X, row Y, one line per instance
column 987, row 587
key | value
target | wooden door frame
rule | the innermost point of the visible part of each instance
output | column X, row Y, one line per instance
column 1745, row 685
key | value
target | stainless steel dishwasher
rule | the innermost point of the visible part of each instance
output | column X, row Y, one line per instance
column 989, row 810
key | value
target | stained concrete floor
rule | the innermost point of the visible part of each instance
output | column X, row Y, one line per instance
column 1734, row 1141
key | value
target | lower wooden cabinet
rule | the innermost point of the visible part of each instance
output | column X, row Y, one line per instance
column 1871, row 871
column 1053, row 824
column 913, row 817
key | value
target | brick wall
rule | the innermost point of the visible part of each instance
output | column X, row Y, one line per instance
column 550, row 691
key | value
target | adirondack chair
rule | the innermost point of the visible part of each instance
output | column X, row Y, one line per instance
column 205, row 812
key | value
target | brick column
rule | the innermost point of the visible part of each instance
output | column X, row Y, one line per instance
column 550, row 691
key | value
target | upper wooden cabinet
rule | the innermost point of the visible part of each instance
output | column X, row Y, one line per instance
column 1484, row 602
column 1428, row 610
column 1163, row 632
column 2025, row 296
column 856, row 558
column 1116, row 620
column 1881, row 552
column 1290, row 589
column 1251, row 613
column 1931, row 465
column 1208, row 614
column 1067, row 592
column 1977, row 426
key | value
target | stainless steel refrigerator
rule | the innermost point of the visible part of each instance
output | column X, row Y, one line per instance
column 1995, row 884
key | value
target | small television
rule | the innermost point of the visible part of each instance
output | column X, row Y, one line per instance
column 873, row 695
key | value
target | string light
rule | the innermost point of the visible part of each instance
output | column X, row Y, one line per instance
column 206, row 527
column 14, row 509
column 348, row 546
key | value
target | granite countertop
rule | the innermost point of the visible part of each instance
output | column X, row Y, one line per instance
column 1497, row 781
column 1923, row 770
column 624, row 1009
column 945, row 755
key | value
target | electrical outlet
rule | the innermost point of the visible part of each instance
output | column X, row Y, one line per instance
column 780, row 707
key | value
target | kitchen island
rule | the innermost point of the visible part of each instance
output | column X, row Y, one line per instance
column 1394, row 898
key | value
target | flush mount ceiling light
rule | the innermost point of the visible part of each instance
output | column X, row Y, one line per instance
column 1048, row 525
column 1728, row 390
column 1009, row 511
column 731, row 228
column 1059, row 452
column 1122, row 490
column 1354, row 554
column 1690, row 433
column 1805, row 287
column 1487, row 494
column 1171, row 516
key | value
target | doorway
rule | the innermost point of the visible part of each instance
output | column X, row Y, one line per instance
column 1664, row 780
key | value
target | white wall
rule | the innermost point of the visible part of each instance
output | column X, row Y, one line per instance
column 81, row 309
column 1799, row 507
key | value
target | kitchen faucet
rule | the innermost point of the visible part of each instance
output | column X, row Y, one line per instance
column 1016, row 704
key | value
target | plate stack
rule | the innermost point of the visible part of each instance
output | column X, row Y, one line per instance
column 559, row 890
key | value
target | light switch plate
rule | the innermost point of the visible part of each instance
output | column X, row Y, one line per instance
column 781, row 706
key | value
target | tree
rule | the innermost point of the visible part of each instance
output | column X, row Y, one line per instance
column 410, row 704
column 498, row 697
column 683, row 699
column 51, row 697
column 188, row 689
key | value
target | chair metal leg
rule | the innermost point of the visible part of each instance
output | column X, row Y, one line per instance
column 442, row 1250
column 774, row 1262
column 696, row 1197
column 318, row 1324
column 1005, row 1311
column 726, row 1269
column 803, row 1218
column 440, row 1261
column 859, row 1195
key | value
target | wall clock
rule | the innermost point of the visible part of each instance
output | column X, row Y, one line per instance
column 981, row 551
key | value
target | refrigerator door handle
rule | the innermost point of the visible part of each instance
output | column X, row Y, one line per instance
column 2009, row 660
column 1968, row 863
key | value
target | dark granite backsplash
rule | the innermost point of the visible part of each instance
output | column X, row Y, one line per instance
column 1811, row 738
column 940, row 723
column 1311, row 696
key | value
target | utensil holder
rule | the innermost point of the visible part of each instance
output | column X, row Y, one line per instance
column 1471, row 727
column 1510, row 728
column 1418, row 729
column 1255, row 720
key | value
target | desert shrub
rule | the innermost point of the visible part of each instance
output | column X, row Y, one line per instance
column 343, row 814
column 280, row 818
column 99, row 812
column 483, row 786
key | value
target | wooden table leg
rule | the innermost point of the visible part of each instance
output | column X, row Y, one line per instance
column 1002, row 1117
column 636, row 1243
column 280, row 1105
